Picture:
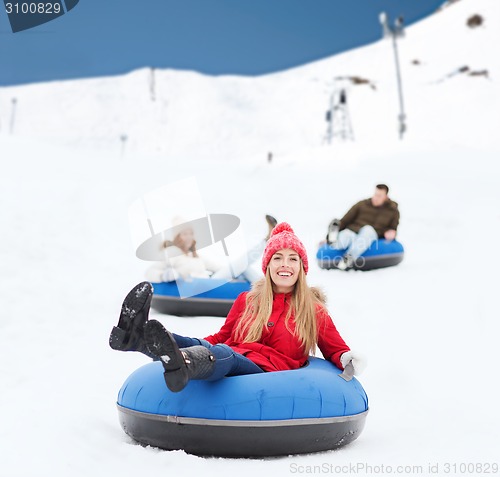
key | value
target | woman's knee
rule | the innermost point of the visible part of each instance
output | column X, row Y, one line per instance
column 222, row 352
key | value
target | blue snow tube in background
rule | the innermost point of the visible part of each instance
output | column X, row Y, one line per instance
column 382, row 253
column 305, row 410
column 203, row 296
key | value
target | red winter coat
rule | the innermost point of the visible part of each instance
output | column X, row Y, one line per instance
column 278, row 348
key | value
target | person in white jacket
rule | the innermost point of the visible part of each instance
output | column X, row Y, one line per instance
column 185, row 262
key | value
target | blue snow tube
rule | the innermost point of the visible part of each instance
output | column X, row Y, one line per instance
column 382, row 253
column 305, row 410
column 200, row 296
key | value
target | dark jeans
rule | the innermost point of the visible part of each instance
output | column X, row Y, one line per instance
column 227, row 361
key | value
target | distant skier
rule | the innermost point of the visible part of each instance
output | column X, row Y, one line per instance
column 365, row 222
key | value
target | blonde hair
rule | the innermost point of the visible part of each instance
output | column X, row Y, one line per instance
column 303, row 307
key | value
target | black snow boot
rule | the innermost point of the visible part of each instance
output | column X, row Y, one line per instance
column 128, row 335
column 180, row 364
column 333, row 232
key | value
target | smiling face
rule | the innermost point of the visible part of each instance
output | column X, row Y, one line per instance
column 284, row 268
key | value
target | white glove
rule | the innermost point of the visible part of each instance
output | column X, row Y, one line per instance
column 358, row 361
column 170, row 274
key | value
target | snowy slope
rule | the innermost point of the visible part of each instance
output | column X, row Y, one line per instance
column 180, row 112
column 429, row 326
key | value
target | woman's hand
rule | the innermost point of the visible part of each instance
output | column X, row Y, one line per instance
column 358, row 361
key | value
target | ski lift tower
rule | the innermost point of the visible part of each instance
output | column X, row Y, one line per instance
column 337, row 116
column 396, row 32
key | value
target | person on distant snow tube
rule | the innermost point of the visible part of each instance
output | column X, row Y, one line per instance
column 182, row 259
column 273, row 327
column 365, row 222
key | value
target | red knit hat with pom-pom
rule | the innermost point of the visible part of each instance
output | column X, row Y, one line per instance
column 283, row 236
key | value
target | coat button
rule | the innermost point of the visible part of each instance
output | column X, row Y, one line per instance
column 270, row 323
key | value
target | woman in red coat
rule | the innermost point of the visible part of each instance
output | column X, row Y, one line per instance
column 273, row 327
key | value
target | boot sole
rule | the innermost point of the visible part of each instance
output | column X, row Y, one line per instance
column 161, row 343
column 134, row 314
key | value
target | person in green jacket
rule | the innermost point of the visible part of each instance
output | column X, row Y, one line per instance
column 365, row 222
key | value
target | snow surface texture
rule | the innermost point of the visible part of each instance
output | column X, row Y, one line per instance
column 429, row 326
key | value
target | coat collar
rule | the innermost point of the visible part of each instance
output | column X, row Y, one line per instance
column 281, row 296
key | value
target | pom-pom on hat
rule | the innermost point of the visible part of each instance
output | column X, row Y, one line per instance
column 283, row 236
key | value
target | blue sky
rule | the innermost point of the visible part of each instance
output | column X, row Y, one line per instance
column 250, row 37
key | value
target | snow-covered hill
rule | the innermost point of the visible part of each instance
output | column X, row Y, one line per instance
column 180, row 112
column 428, row 326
